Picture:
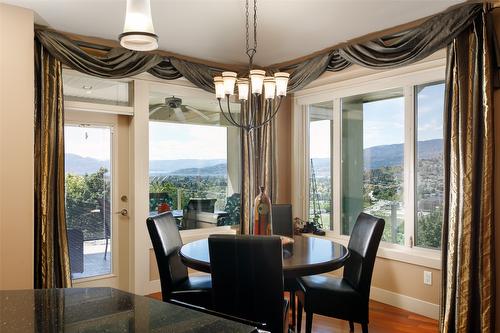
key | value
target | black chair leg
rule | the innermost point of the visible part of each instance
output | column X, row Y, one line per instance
column 299, row 317
column 309, row 321
column 106, row 249
column 292, row 305
column 364, row 327
column 351, row 326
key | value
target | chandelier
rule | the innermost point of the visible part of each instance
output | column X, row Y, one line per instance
column 250, row 89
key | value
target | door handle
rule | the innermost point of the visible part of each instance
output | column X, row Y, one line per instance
column 123, row 212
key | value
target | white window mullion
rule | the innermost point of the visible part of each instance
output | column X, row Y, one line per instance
column 307, row 169
column 337, row 166
column 409, row 166
column 300, row 165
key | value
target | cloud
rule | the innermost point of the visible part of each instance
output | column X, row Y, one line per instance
column 182, row 141
column 88, row 141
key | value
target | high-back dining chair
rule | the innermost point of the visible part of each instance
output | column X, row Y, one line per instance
column 282, row 221
column 282, row 225
column 346, row 297
column 247, row 279
column 174, row 278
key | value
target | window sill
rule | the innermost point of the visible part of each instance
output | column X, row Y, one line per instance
column 415, row 256
column 197, row 234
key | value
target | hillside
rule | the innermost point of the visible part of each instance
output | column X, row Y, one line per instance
column 386, row 155
column 215, row 170
column 168, row 166
column 76, row 164
column 378, row 156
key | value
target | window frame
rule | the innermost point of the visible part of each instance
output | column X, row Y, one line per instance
column 357, row 81
column 75, row 117
column 180, row 88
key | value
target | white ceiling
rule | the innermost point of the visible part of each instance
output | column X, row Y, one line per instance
column 214, row 29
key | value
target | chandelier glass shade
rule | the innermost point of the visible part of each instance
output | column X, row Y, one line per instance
column 138, row 31
column 251, row 88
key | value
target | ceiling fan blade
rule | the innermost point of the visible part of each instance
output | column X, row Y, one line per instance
column 155, row 108
column 180, row 115
column 198, row 112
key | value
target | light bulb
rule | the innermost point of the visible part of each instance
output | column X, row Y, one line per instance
column 219, row 87
column 242, row 89
column 257, row 79
column 281, row 79
column 269, row 87
column 229, row 81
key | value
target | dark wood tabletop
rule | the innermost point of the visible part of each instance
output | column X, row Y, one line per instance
column 308, row 256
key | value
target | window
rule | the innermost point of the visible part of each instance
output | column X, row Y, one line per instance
column 379, row 152
column 372, row 154
column 320, row 175
column 194, row 163
column 84, row 88
column 429, row 180
column 88, row 199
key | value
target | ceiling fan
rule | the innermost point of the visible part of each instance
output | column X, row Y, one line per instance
column 174, row 105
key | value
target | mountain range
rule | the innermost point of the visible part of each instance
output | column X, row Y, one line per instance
column 385, row 156
column 379, row 156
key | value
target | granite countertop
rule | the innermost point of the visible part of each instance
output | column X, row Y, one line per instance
column 102, row 310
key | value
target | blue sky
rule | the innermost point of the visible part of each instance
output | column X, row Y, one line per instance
column 168, row 141
column 173, row 141
column 430, row 112
column 88, row 141
column 383, row 122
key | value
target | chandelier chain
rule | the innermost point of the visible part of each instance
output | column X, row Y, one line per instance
column 255, row 25
column 251, row 50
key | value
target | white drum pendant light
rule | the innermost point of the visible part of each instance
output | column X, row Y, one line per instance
column 138, row 32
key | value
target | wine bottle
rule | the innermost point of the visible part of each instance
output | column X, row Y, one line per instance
column 262, row 214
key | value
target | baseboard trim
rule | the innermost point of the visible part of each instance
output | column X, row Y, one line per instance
column 153, row 287
column 408, row 303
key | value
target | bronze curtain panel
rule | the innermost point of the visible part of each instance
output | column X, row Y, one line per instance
column 258, row 164
column 51, row 262
column 468, row 254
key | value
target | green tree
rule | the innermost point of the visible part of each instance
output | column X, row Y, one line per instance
column 88, row 203
column 429, row 229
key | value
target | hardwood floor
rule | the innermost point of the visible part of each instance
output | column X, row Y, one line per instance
column 383, row 319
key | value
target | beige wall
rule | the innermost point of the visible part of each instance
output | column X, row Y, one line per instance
column 16, row 147
column 406, row 279
column 284, row 151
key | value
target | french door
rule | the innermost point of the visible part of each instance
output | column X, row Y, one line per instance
column 96, row 198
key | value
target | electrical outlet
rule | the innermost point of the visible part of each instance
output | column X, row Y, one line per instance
column 428, row 278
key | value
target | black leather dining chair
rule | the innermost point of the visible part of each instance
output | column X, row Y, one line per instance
column 281, row 219
column 282, row 225
column 345, row 297
column 247, row 279
column 174, row 278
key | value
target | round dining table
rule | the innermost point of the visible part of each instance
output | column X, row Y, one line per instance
column 306, row 256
